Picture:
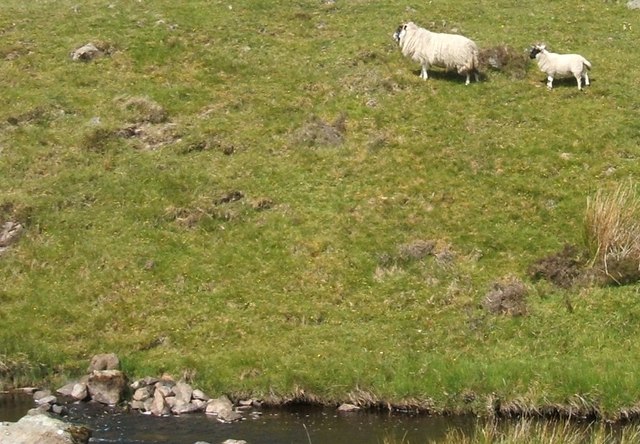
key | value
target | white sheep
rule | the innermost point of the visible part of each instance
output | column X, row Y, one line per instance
column 561, row 65
column 437, row 49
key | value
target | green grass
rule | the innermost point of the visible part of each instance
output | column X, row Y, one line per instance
column 130, row 246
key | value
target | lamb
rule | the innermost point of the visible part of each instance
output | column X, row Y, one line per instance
column 438, row 49
column 561, row 65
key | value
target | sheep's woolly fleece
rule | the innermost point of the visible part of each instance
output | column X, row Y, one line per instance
column 450, row 51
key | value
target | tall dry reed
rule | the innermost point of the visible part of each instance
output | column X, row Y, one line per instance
column 612, row 232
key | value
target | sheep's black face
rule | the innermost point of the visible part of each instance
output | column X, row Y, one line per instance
column 535, row 51
column 399, row 33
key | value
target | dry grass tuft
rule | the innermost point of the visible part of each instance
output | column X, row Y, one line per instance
column 612, row 233
column 13, row 368
column 505, row 59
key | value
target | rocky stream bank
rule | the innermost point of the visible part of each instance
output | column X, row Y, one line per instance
column 106, row 384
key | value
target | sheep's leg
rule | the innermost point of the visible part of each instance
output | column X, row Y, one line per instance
column 550, row 82
column 468, row 80
column 586, row 79
column 579, row 79
column 476, row 75
column 423, row 73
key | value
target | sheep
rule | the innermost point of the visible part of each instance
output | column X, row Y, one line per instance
column 561, row 65
column 432, row 48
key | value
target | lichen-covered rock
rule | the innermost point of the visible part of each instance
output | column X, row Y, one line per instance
column 107, row 386
column 104, row 361
column 86, row 52
column 37, row 427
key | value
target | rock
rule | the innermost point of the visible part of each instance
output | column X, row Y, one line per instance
column 180, row 408
column 348, row 408
column 164, row 388
column 107, row 386
column 80, row 391
column 147, row 404
column 215, row 406
column 39, row 394
column 159, row 406
column 183, row 392
column 234, row 441
column 199, row 394
column 138, row 405
column 86, row 53
column 66, row 390
column 10, row 233
column 36, row 427
column 223, row 409
column 227, row 416
column 633, row 4
column 47, row 400
column 143, row 393
column 59, row 409
column 144, row 382
column 104, row 361
column 199, row 404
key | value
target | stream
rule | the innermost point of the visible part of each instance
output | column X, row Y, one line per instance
column 283, row 425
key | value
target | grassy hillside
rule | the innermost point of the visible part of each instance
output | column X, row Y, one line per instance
column 266, row 197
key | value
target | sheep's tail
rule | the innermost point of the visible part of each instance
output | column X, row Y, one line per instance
column 586, row 63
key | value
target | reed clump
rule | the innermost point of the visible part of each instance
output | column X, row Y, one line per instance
column 612, row 232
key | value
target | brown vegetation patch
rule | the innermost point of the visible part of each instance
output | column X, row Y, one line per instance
column 317, row 133
column 36, row 116
column 507, row 297
column 576, row 408
column 146, row 136
column 98, row 139
column 151, row 136
column 562, row 269
column 142, row 110
column 14, row 367
column 208, row 143
column 227, row 206
column 262, row 203
column 416, row 250
column 299, row 396
column 229, row 196
column 15, row 51
column 505, row 59
column 13, row 219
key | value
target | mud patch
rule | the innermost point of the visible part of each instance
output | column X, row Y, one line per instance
column 563, row 269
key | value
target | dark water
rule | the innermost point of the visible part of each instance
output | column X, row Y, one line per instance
column 14, row 406
column 300, row 425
